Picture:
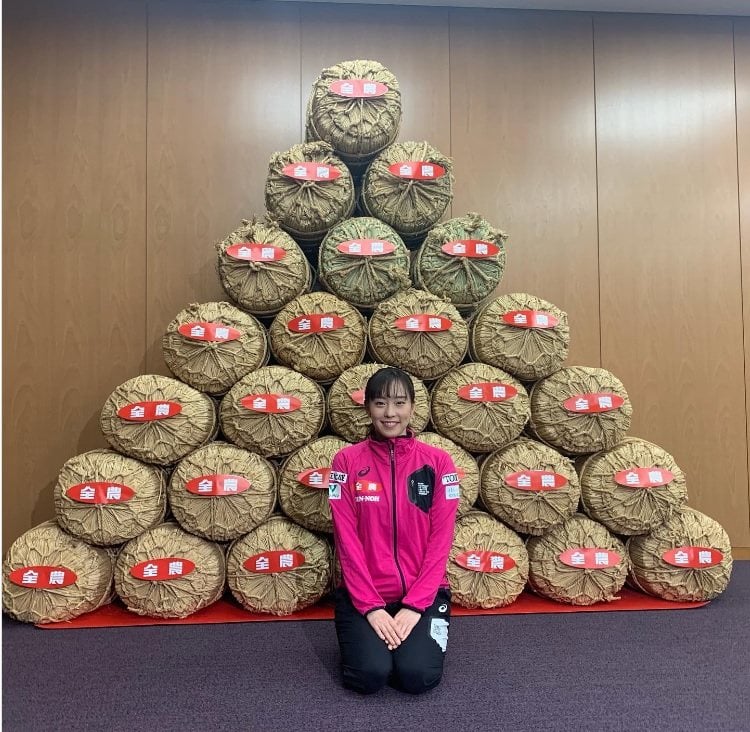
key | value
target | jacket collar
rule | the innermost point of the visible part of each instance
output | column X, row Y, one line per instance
column 402, row 446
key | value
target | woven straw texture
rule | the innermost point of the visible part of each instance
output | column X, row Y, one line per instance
column 48, row 545
column 214, row 366
column 161, row 441
column 350, row 420
column 306, row 505
column 530, row 512
column 280, row 593
column 263, row 288
column 622, row 509
column 325, row 355
column 465, row 465
column 527, row 353
column 464, row 281
column 572, row 433
column 273, row 434
column 411, row 207
column 305, row 208
column 358, row 129
column 549, row 577
column 650, row 573
column 479, row 532
column 117, row 522
column 174, row 598
column 363, row 281
column 222, row 518
column 424, row 354
column 478, row 426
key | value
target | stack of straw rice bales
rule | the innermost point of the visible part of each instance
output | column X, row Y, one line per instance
column 218, row 477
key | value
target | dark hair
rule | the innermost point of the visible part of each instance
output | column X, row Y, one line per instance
column 385, row 383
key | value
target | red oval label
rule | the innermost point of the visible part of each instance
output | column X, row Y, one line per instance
column 473, row 248
column 368, row 486
column 588, row 558
column 274, row 561
column 163, row 568
column 529, row 319
column 316, row 323
column 148, row 411
column 358, row 397
column 358, row 88
column 318, row 172
column 489, row 391
column 423, row 322
column 219, row 484
column 644, row 477
column 202, row 331
column 693, row 557
column 256, row 252
column 417, row 170
column 536, row 480
column 593, row 403
column 366, row 247
column 100, row 492
column 42, row 577
column 460, row 472
column 485, row 561
column 271, row 403
column 315, row 478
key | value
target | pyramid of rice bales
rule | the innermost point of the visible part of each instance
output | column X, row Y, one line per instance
column 237, row 449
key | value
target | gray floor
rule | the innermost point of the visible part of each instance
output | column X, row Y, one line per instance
column 670, row 671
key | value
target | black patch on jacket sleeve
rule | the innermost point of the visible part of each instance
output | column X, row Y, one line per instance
column 421, row 484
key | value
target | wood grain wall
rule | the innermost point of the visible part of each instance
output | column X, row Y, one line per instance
column 614, row 149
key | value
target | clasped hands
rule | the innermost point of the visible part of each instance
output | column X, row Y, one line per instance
column 393, row 630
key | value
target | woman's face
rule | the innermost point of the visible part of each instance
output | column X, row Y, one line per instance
column 391, row 415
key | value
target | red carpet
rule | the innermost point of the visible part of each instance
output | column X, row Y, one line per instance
column 227, row 611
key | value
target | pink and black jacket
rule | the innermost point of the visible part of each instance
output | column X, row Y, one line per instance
column 394, row 507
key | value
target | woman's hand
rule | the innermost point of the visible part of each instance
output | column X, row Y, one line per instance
column 385, row 628
column 404, row 621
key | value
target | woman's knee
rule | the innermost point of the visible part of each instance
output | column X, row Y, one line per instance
column 369, row 677
column 416, row 679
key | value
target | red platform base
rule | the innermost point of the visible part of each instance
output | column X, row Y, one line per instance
column 227, row 611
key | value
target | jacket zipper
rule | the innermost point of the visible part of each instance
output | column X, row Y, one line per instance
column 395, row 526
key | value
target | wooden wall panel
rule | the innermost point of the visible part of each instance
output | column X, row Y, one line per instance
column 74, row 87
column 669, row 246
column 522, row 127
column 742, row 81
column 223, row 95
column 411, row 41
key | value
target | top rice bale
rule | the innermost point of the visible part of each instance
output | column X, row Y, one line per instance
column 397, row 191
column 359, row 118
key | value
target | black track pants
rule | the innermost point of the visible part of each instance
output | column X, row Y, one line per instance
column 415, row 666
